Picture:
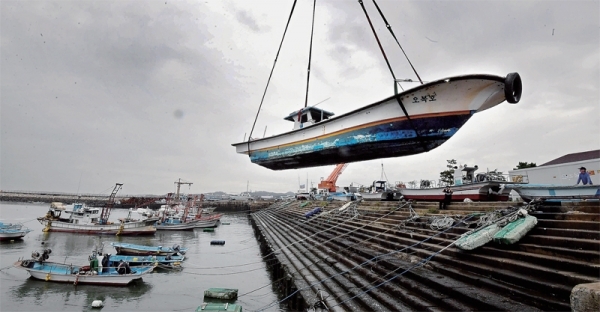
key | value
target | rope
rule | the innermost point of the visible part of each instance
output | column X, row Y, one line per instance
column 389, row 27
column 366, row 262
column 310, row 52
column 441, row 223
column 271, row 74
column 393, row 75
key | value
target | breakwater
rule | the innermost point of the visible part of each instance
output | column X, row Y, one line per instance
column 126, row 201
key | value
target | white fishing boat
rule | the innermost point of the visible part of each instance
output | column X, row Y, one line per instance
column 12, row 231
column 558, row 192
column 79, row 218
column 40, row 269
column 475, row 187
column 410, row 122
column 245, row 196
column 435, row 111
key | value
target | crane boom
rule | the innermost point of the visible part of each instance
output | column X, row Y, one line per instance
column 110, row 204
column 329, row 183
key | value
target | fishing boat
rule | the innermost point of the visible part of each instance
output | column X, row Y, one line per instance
column 169, row 260
column 12, row 231
column 476, row 187
column 189, row 217
column 410, row 122
column 176, row 223
column 244, row 196
column 435, row 111
column 79, row 218
column 556, row 192
column 40, row 269
column 143, row 250
column 108, row 260
column 178, row 216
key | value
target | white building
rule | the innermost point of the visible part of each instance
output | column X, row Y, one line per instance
column 561, row 171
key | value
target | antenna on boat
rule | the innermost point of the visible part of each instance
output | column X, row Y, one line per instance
column 321, row 102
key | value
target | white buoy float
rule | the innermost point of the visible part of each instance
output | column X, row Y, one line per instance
column 97, row 304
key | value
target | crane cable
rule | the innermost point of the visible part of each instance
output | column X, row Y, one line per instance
column 271, row 74
column 393, row 75
column 389, row 27
column 312, row 31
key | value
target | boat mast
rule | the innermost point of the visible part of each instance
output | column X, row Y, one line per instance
column 110, row 204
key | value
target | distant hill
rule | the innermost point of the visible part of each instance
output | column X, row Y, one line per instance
column 256, row 194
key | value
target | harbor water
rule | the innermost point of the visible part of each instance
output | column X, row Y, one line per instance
column 236, row 264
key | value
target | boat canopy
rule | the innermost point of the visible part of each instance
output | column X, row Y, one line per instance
column 310, row 115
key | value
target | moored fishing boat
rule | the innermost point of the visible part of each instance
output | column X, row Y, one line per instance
column 143, row 250
column 169, row 260
column 79, row 218
column 175, row 224
column 40, row 269
column 475, row 187
column 12, row 231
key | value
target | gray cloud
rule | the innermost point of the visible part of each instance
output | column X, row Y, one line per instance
column 144, row 93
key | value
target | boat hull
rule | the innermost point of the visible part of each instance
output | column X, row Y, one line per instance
column 188, row 226
column 141, row 250
column 146, row 260
column 6, row 236
column 437, row 110
column 486, row 191
column 549, row 192
column 145, row 227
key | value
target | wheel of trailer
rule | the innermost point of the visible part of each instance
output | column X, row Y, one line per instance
column 513, row 88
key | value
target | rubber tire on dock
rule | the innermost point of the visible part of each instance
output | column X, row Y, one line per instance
column 513, row 88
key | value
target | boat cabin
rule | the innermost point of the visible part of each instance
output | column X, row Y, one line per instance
column 308, row 116
column 79, row 214
column 378, row 187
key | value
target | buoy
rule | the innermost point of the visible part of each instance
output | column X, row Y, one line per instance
column 217, row 242
column 97, row 304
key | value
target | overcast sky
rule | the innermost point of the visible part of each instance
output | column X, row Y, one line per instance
column 146, row 92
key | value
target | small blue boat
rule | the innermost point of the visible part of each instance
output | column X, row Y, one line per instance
column 10, row 231
column 142, row 250
column 41, row 269
column 113, row 260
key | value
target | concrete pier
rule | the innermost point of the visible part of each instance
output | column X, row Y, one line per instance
column 379, row 257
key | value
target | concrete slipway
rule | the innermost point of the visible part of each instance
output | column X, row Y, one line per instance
column 388, row 256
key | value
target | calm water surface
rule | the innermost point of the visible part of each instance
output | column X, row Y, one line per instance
column 237, row 264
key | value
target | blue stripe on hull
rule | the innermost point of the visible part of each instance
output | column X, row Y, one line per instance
column 381, row 141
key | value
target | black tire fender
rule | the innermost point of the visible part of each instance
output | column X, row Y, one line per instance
column 513, row 88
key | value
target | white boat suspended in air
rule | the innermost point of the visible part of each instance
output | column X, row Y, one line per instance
column 435, row 112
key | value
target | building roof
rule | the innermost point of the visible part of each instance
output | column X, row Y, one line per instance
column 569, row 158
